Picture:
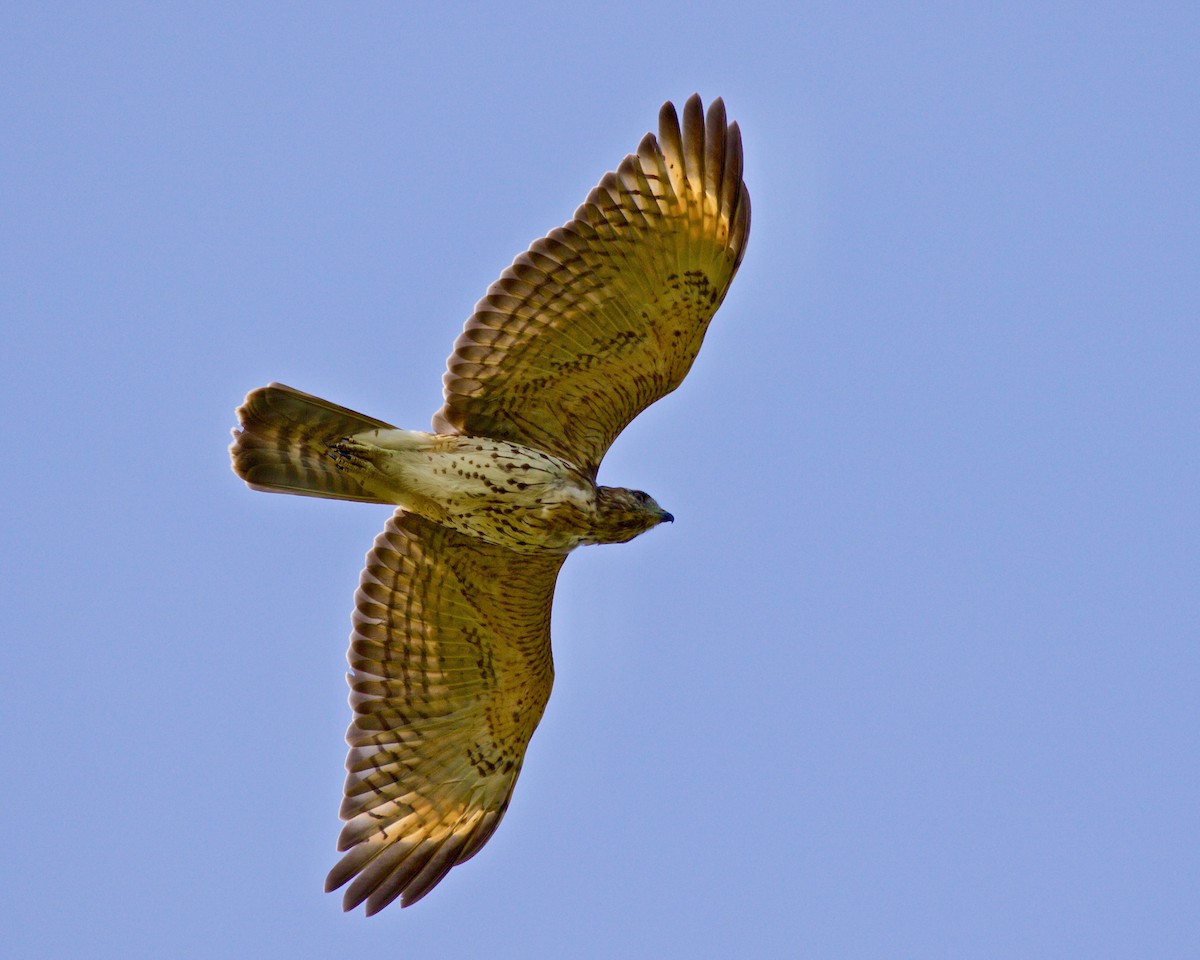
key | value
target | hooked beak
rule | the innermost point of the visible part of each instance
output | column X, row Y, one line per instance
column 664, row 517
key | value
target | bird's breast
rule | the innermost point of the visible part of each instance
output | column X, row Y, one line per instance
column 505, row 493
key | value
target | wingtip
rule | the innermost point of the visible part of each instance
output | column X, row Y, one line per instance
column 716, row 118
column 670, row 139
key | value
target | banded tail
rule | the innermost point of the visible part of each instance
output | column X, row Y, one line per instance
column 293, row 442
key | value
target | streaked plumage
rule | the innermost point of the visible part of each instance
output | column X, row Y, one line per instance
column 450, row 651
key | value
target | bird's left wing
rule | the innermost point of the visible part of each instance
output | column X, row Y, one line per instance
column 451, row 670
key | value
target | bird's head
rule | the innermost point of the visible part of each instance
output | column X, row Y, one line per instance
column 622, row 514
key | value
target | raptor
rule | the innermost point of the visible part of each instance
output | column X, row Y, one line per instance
column 450, row 662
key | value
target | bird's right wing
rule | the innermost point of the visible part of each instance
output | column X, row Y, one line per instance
column 603, row 316
column 451, row 670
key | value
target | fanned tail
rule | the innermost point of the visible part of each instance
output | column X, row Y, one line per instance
column 292, row 442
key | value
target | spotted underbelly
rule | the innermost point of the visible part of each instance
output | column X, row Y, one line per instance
column 507, row 494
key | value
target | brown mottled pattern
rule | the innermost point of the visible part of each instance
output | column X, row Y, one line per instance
column 450, row 651
column 605, row 315
column 451, row 672
column 283, row 445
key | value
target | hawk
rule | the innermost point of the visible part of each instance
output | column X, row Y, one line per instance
column 450, row 665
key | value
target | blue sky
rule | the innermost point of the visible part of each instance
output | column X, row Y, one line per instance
column 914, row 673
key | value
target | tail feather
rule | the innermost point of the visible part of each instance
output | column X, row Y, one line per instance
column 289, row 442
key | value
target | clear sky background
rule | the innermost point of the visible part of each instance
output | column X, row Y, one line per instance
column 916, row 672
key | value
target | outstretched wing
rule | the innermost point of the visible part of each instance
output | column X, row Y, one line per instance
column 451, row 670
column 606, row 314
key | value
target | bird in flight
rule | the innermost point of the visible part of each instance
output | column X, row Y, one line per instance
column 450, row 664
